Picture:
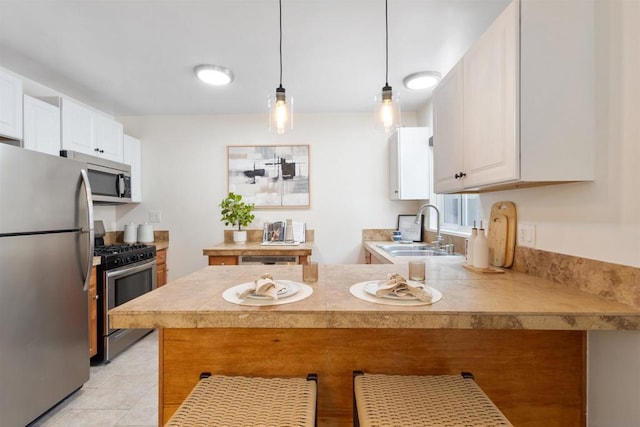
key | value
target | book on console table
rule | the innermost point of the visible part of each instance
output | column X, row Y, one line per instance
column 273, row 233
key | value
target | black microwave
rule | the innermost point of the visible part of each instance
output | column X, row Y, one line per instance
column 110, row 181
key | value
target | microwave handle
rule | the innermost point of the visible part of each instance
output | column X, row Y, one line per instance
column 120, row 185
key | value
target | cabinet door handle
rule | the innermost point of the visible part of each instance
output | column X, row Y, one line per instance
column 460, row 175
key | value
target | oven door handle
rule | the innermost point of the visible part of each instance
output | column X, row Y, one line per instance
column 87, row 229
column 125, row 271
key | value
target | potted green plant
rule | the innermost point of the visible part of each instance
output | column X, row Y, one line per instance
column 236, row 212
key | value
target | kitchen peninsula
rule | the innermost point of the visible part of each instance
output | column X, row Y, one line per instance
column 523, row 337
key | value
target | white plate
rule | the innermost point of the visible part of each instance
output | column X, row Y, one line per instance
column 290, row 288
column 372, row 287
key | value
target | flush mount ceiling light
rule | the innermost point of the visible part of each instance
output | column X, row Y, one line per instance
column 214, row 74
column 421, row 80
column 280, row 113
column 387, row 109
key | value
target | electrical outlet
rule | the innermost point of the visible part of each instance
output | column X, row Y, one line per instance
column 527, row 235
column 155, row 216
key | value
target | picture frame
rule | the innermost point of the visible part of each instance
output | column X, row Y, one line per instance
column 270, row 176
column 410, row 230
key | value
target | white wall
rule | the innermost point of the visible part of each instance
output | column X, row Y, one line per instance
column 184, row 177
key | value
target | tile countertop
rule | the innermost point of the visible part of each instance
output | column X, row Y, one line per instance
column 471, row 301
column 256, row 248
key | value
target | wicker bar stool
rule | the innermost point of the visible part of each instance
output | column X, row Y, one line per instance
column 431, row 400
column 231, row 401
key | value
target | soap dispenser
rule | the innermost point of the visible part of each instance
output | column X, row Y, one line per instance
column 481, row 250
column 471, row 243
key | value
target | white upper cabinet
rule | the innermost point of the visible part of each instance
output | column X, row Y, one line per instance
column 109, row 138
column 90, row 132
column 448, row 163
column 490, row 104
column 518, row 110
column 133, row 158
column 77, row 127
column 41, row 126
column 10, row 105
column 409, row 164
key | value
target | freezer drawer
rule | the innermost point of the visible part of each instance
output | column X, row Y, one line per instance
column 44, row 338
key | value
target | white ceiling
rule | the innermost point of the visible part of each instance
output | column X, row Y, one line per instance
column 135, row 57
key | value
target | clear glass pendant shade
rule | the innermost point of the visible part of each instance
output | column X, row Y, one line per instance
column 387, row 110
column 280, row 111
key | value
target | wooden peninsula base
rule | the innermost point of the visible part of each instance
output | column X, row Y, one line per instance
column 537, row 378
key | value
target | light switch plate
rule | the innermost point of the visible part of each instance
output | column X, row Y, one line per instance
column 527, row 234
column 155, row 216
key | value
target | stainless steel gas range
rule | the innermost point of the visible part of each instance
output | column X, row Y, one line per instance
column 125, row 272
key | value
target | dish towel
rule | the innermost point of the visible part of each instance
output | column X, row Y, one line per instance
column 399, row 286
column 264, row 286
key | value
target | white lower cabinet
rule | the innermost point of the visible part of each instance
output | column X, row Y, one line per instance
column 518, row 109
column 409, row 164
column 41, row 126
column 10, row 105
column 133, row 158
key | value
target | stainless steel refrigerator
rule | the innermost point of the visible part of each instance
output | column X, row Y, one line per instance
column 46, row 249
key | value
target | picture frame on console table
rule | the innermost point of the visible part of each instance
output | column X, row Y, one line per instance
column 409, row 229
column 270, row 176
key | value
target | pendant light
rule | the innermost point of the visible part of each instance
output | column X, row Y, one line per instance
column 387, row 109
column 280, row 112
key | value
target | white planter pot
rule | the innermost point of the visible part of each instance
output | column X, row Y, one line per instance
column 240, row 237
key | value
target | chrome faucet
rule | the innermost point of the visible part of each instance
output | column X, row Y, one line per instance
column 438, row 241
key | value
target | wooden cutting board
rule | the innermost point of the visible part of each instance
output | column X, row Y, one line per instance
column 502, row 234
column 497, row 240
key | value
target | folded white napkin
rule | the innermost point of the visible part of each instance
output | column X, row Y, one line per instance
column 399, row 286
column 264, row 286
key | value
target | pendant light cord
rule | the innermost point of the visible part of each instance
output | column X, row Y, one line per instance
column 386, row 48
column 280, row 5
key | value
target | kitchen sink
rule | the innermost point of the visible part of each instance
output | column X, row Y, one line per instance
column 413, row 250
column 424, row 252
column 405, row 247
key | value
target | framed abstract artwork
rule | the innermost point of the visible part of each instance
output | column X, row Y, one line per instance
column 270, row 176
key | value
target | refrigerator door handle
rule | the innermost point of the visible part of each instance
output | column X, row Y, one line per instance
column 88, row 229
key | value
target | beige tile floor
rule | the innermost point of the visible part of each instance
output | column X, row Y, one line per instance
column 121, row 393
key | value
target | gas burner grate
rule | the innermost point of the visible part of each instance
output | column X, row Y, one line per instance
column 117, row 249
column 114, row 256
